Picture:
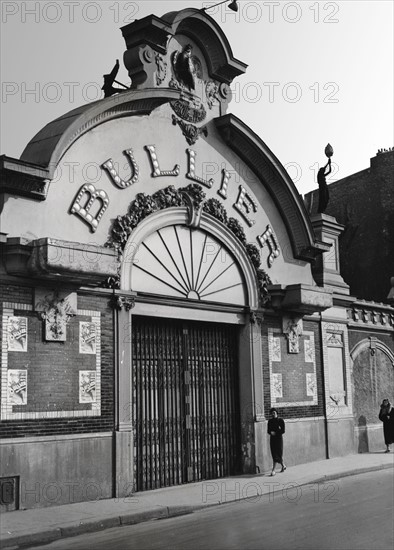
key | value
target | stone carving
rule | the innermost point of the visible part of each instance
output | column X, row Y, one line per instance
column 309, row 351
column 17, row 334
column 311, row 388
column 16, row 387
column 216, row 209
column 211, row 92
column 334, row 339
column 87, row 386
column 87, row 337
column 292, row 328
column 191, row 196
column 277, row 386
column 191, row 132
column 186, row 67
column 123, row 302
column 338, row 397
column 161, row 70
column 256, row 318
column 188, row 110
column 276, row 350
column 56, row 311
column 143, row 205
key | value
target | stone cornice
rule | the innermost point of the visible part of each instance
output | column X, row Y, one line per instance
column 23, row 179
column 196, row 24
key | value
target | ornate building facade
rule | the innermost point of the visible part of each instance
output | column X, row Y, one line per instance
column 151, row 317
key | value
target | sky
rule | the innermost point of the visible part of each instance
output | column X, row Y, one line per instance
column 318, row 72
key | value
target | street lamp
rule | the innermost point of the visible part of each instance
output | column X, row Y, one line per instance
column 233, row 5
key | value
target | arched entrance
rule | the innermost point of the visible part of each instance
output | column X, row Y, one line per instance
column 192, row 295
column 373, row 380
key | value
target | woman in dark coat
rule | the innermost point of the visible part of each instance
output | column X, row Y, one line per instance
column 276, row 429
column 386, row 415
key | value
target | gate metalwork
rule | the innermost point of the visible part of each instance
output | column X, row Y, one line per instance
column 185, row 402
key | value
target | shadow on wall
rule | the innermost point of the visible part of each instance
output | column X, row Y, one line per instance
column 363, row 445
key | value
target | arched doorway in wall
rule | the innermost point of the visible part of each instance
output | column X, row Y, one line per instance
column 192, row 293
column 373, row 380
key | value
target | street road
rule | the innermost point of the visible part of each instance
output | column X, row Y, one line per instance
column 355, row 512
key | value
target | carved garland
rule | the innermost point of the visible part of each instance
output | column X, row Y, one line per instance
column 144, row 205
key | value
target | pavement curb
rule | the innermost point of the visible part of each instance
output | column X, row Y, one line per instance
column 51, row 535
column 331, row 477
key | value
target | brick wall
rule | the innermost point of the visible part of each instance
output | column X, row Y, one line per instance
column 53, row 372
column 293, row 369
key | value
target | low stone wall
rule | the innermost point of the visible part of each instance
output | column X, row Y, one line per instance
column 59, row 469
column 303, row 441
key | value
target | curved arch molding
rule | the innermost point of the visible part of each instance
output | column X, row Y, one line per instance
column 194, row 23
column 50, row 144
column 371, row 344
column 179, row 216
column 260, row 159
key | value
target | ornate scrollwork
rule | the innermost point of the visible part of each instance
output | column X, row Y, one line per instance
column 191, row 132
column 144, row 205
column 193, row 197
column 211, row 92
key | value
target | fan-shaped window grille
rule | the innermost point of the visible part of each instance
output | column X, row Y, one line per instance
column 187, row 263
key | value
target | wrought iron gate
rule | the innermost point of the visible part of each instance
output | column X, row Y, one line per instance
column 185, row 402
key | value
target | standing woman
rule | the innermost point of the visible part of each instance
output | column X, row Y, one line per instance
column 276, row 429
column 386, row 415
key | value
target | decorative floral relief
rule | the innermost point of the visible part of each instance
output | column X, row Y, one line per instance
column 17, row 334
column 87, row 386
column 17, row 387
column 309, row 351
column 144, row 205
column 56, row 312
column 276, row 351
column 191, row 132
column 277, row 386
column 311, row 388
column 87, row 337
column 211, row 91
column 334, row 339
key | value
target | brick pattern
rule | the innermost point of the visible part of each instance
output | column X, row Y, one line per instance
column 53, row 368
column 293, row 370
column 52, row 387
column 294, row 407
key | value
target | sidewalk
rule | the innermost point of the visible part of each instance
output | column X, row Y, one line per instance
column 38, row 526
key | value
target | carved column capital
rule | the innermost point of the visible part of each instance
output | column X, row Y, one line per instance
column 121, row 301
